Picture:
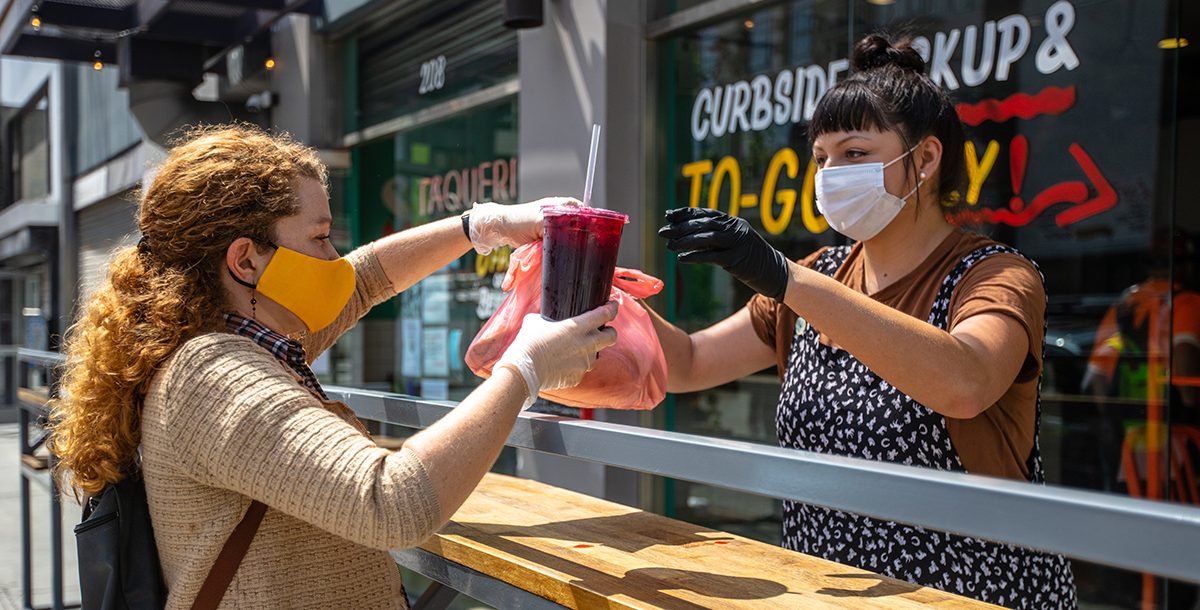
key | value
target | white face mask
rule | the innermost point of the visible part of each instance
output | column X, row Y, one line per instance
column 854, row 201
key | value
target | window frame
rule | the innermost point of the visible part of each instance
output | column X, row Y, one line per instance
column 12, row 140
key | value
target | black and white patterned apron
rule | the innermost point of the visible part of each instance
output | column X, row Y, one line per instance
column 832, row 403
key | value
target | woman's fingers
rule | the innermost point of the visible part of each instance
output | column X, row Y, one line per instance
column 715, row 257
column 690, row 227
column 596, row 318
column 682, row 214
column 705, row 240
column 605, row 337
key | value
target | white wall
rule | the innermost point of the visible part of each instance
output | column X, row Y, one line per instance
column 308, row 95
column 586, row 65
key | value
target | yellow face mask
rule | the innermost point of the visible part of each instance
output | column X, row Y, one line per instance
column 314, row 289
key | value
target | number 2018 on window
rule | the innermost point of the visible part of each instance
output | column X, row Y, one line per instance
column 433, row 75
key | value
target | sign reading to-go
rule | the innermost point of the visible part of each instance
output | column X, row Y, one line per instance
column 785, row 162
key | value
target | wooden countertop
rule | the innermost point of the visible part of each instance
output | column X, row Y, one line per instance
column 582, row 552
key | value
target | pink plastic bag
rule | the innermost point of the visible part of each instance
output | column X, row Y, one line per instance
column 629, row 375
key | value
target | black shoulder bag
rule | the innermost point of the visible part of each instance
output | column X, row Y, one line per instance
column 118, row 560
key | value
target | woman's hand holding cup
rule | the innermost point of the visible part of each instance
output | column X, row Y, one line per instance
column 555, row 355
column 493, row 225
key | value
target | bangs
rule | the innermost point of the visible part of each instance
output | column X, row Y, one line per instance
column 850, row 106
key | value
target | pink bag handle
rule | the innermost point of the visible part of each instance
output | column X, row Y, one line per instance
column 522, row 261
column 637, row 284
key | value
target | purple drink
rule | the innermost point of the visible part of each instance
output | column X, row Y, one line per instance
column 579, row 253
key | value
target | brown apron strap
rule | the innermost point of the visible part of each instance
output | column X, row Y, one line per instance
column 229, row 559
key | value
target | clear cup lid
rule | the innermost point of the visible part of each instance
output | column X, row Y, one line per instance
column 581, row 210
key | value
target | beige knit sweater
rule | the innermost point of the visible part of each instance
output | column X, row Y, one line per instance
column 226, row 422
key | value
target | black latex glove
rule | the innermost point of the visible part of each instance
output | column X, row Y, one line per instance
column 701, row 235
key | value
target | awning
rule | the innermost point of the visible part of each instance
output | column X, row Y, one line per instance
column 175, row 40
column 162, row 48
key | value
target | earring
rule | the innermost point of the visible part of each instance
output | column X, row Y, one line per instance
column 922, row 175
column 253, row 303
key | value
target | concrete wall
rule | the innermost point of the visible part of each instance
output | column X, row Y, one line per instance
column 309, row 94
column 585, row 66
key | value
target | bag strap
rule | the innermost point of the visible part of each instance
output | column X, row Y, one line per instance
column 230, row 557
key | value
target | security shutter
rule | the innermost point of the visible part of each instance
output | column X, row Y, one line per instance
column 435, row 51
column 103, row 228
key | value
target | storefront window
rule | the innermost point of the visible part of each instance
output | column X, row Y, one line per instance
column 416, row 344
column 436, row 79
column 30, row 157
column 424, row 175
column 1071, row 122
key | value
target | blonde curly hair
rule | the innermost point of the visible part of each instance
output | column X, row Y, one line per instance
column 217, row 184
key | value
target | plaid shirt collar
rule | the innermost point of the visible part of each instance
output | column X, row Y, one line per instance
column 288, row 351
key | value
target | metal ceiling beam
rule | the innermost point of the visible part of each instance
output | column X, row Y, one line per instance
column 312, row 7
column 266, row 5
column 188, row 27
column 93, row 17
column 147, row 59
column 150, row 11
column 252, row 22
column 66, row 49
column 147, row 20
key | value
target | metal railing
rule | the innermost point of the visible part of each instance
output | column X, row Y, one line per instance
column 34, row 470
column 1123, row 532
column 1133, row 534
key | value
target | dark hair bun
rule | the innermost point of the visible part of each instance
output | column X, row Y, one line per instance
column 878, row 51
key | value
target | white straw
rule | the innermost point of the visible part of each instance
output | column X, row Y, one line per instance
column 591, row 168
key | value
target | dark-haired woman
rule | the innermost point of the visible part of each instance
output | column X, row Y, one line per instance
column 919, row 344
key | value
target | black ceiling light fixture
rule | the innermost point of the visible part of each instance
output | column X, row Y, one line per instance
column 523, row 14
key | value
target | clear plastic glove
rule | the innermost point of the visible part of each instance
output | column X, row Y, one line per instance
column 555, row 355
column 494, row 225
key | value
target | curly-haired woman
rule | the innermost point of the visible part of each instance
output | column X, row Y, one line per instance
column 197, row 350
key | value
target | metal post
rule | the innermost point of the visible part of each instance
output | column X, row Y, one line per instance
column 18, row 330
column 26, row 542
column 11, row 363
column 66, row 272
column 10, row 380
column 56, row 542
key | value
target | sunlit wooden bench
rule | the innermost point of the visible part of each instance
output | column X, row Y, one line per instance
column 516, row 537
